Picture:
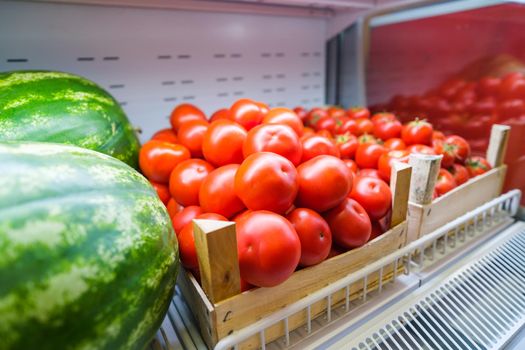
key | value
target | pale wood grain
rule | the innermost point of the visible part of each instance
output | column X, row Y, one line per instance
column 400, row 186
column 425, row 169
column 499, row 137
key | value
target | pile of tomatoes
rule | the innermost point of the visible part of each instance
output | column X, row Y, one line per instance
column 298, row 194
column 468, row 107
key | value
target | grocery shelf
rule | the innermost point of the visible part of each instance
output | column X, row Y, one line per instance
column 444, row 251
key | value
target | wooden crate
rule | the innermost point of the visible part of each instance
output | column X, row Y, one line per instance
column 221, row 309
column 426, row 215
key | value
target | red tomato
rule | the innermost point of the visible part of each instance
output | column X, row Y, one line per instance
column 223, row 113
column 446, row 150
column 421, row 149
column 460, row 147
column 460, row 173
column 394, row 144
column 166, row 135
column 314, row 115
column 384, row 165
column 247, row 113
column 307, row 131
column 162, row 191
column 488, row 86
column 183, row 113
column 376, row 230
column 158, row 158
column 358, row 112
column 364, row 126
column 335, row 251
column 512, row 87
column 276, row 138
column 347, row 145
column 477, row 166
column 173, row 207
column 445, row 182
column 383, row 117
column 186, row 240
column 217, row 192
column 349, row 126
column 268, row 248
column 352, row 165
column 388, row 129
column 417, row 132
column 314, row 234
column 324, row 182
column 368, row 154
column 286, row 116
column 326, row 123
column 349, row 223
column 266, row 181
column 324, row 133
column 369, row 173
column 263, row 106
column 314, row 146
column 373, row 194
column 367, row 138
column 508, row 109
column 301, row 113
column 185, row 216
column 438, row 135
column 186, row 180
column 191, row 134
column 222, row 143
column 336, row 112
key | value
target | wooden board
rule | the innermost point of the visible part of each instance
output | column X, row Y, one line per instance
column 423, row 219
column 243, row 309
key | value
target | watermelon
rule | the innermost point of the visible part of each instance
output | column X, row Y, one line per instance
column 88, row 256
column 64, row 108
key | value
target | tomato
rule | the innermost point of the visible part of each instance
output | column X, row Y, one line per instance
column 335, row 251
column 158, row 158
column 263, row 106
column 326, row 123
column 223, row 142
column 324, row 133
column 247, row 113
column 314, row 234
column 186, row 240
column 417, row 132
column 324, row 182
column 446, row 150
column 336, row 112
column 460, row 173
column 266, row 181
column 394, row 144
column 314, row 115
column 445, row 182
column 477, row 166
column 352, row 165
column 349, row 126
column 373, row 194
column 184, row 113
column 173, row 207
column 347, row 145
column 512, row 87
column 185, row 216
column 186, row 180
column 217, row 192
column 451, row 87
column 277, row 138
column 191, row 134
column 460, row 147
column 438, row 135
column 364, row 126
column 318, row 145
column 268, row 248
column 368, row 154
column 367, row 138
column 349, row 223
column 369, row 173
column 223, row 113
column 307, row 131
column 162, row 191
column 384, row 165
column 301, row 113
column 484, row 106
column 421, row 149
column 377, row 230
column 388, row 129
column 166, row 135
column 286, row 116
column 508, row 109
column 488, row 86
column 358, row 112
column 383, row 117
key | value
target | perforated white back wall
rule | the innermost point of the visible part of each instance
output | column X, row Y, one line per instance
column 151, row 60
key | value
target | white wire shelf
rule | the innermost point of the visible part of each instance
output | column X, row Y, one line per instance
column 425, row 254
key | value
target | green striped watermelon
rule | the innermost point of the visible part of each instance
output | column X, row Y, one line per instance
column 64, row 108
column 88, row 256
